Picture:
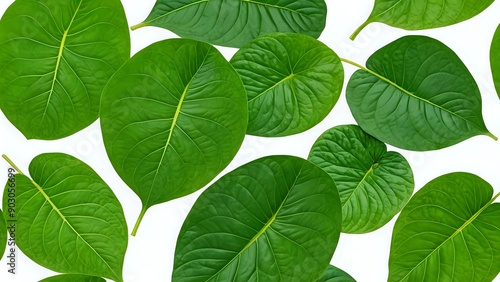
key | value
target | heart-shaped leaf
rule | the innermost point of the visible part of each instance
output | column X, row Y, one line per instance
column 423, row 14
column 449, row 231
column 495, row 59
column 55, row 59
column 73, row 278
column 234, row 23
column 334, row 274
column 274, row 219
column 3, row 234
column 374, row 184
column 292, row 82
column 416, row 94
column 172, row 118
column 68, row 219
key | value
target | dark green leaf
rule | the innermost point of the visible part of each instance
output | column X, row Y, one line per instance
column 416, row 94
column 274, row 219
column 292, row 82
column 55, row 58
column 68, row 219
column 449, row 231
column 334, row 274
column 236, row 22
column 423, row 14
column 374, row 184
column 495, row 59
column 3, row 234
column 73, row 278
column 172, row 118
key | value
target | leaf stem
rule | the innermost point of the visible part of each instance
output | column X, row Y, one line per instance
column 137, row 26
column 139, row 220
column 12, row 164
column 359, row 29
column 489, row 134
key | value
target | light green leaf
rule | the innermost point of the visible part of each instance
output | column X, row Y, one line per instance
column 3, row 234
column 334, row 274
column 68, row 219
column 172, row 118
column 449, row 231
column 374, row 184
column 55, row 58
column 236, row 22
column 73, row 278
column 495, row 59
column 423, row 14
column 292, row 82
column 274, row 219
column 416, row 94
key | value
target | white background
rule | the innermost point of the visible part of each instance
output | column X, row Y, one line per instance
column 150, row 254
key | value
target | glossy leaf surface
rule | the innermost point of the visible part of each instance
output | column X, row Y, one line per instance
column 274, row 219
column 374, row 184
column 423, row 14
column 449, row 231
column 416, row 94
column 292, row 82
column 68, row 219
column 495, row 59
column 73, row 278
column 172, row 118
column 334, row 274
column 55, row 59
column 235, row 23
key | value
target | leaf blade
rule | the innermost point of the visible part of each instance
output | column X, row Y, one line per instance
column 495, row 59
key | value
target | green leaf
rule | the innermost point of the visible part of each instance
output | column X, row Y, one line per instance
column 449, row 231
column 3, row 234
column 274, row 219
column 334, row 274
column 68, row 219
column 172, row 118
column 292, row 82
column 374, row 184
column 55, row 59
column 236, row 22
column 416, row 94
column 423, row 14
column 495, row 59
column 73, row 278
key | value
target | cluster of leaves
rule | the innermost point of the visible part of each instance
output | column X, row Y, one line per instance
column 175, row 114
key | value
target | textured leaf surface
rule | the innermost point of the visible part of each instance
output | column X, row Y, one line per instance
column 73, row 278
column 292, row 82
column 416, row 94
column 334, row 274
column 68, row 219
column 55, row 58
column 374, row 184
column 449, row 231
column 495, row 59
column 424, row 14
column 236, row 22
column 274, row 219
column 3, row 234
column 172, row 118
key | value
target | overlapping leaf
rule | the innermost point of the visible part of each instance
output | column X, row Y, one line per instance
column 172, row 118
column 495, row 59
column 449, row 231
column 423, row 14
column 68, row 219
column 334, row 274
column 274, row 219
column 235, row 23
column 416, row 94
column 73, row 278
column 55, row 58
column 374, row 184
column 292, row 82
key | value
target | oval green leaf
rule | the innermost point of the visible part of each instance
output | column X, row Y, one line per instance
column 374, row 184
column 423, row 14
column 274, row 219
column 3, row 234
column 73, row 278
column 235, row 23
column 172, row 118
column 55, row 59
column 68, row 219
column 292, row 82
column 334, row 274
column 495, row 59
column 416, row 94
column 449, row 231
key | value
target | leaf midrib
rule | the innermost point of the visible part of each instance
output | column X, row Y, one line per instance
column 289, row 77
column 359, row 184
